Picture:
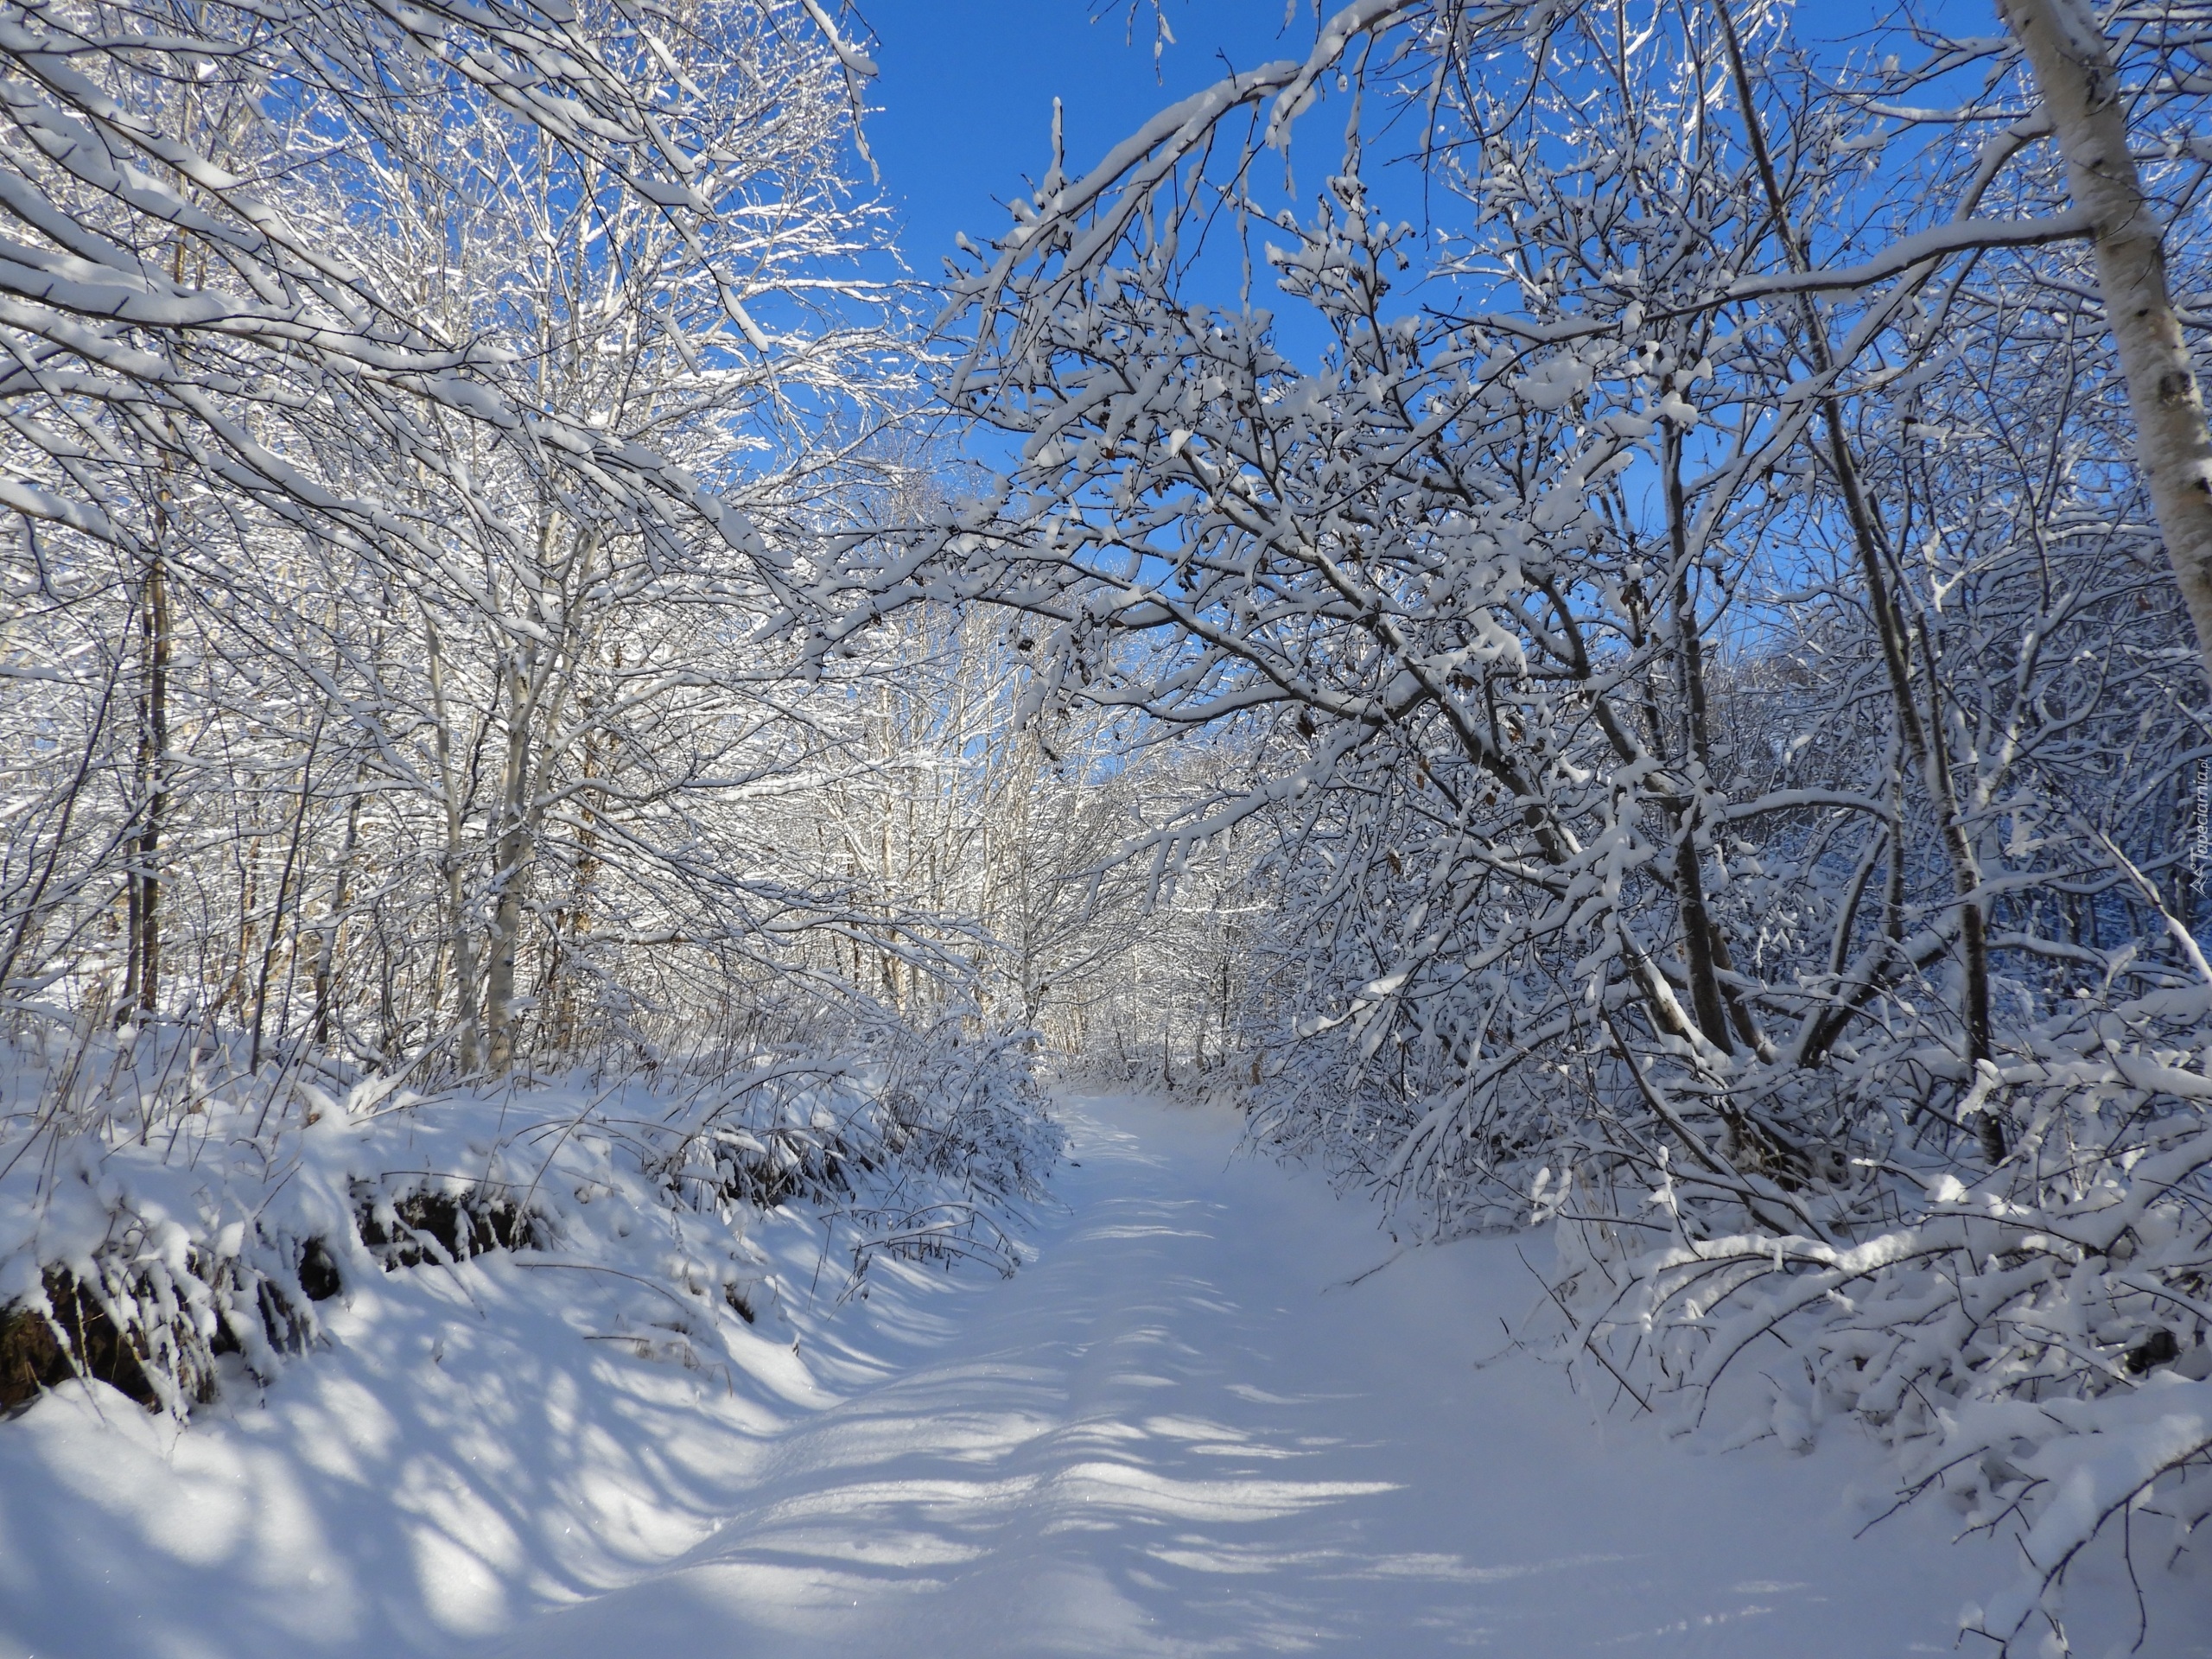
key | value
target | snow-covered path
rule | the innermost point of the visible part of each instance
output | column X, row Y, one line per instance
column 1179, row 1432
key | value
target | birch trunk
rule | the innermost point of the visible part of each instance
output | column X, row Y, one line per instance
column 2080, row 84
column 513, row 850
column 460, row 943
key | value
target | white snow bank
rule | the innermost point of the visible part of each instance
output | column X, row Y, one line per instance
column 468, row 1444
column 1183, row 1429
column 379, row 1425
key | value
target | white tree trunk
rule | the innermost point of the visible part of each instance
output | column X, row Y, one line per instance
column 468, row 1047
column 2075, row 71
column 513, row 850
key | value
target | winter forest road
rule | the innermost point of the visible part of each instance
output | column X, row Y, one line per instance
column 1179, row 1432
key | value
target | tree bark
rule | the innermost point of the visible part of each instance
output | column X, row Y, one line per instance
column 459, row 940
column 341, row 888
column 2080, row 86
column 1698, row 927
column 513, row 850
column 142, row 976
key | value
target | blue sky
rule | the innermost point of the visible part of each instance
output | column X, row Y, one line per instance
column 965, row 97
column 967, row 87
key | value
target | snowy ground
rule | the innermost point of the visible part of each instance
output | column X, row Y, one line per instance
column 1180, row 1431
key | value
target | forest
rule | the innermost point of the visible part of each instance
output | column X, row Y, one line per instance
column 1595, row 615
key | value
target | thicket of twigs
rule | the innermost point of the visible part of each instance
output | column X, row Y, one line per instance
column 425, row 831
column 1663, row 524
column 1594, row 609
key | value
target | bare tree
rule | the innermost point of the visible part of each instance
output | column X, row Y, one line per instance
column 2085, row 104
column 1709, row 716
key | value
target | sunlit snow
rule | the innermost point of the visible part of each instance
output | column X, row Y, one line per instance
column 1180, row 1431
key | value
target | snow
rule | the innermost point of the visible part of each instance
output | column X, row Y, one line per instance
column 1182, row 1429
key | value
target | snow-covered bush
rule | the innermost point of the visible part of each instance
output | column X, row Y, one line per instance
column 927, row 1144
column 2035, row 1340
column 171, row 1219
